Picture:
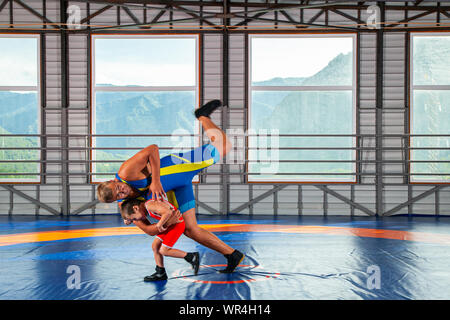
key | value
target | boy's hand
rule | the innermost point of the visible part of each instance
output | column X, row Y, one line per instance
column 127, row 222
column 175, row 217
column 160, row 227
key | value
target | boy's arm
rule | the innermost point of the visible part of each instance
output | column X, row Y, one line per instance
column 155, row 187
column 147, row 227
column 166, row 211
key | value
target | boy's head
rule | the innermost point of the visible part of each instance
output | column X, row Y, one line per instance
column 132, row 209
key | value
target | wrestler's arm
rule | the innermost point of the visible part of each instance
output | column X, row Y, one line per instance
column 132, row 167
column 148, row 155
column 166, row 211
column 147, row 227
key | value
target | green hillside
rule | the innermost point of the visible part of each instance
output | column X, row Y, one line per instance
column 308, row 112
column 17, row 166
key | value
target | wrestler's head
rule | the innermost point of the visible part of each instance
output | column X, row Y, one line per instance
column 133, row 209
column 112, row 190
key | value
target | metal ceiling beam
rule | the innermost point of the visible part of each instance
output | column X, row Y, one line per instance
column 445, row 13
column 276, row 7
column 143, row 25
column 345, row 15
column 131, row 15
column 37, row 14
column 124, row 4
column 3, row 5
column 195, row 15
column 158, row 16
column 335, row 7
column 420, row 15
column 303, row 24
column 96, row 13
column 341, row 5
column 248, row 19
column 316, row 16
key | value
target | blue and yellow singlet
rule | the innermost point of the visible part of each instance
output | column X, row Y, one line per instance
column 176, row 173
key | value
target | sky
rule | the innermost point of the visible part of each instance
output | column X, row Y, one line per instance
column 159, row 62
column 18, row 61
column 145, row 62
column 294, row 57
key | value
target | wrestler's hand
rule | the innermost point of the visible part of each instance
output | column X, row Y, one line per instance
column 127, row 222
column 157, row 190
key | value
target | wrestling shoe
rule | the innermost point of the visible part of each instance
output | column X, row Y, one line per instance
column 194, row 259
column 234, row 260
column 207, row 108
column 159, row 275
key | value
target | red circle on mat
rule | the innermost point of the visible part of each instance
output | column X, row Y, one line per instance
column 227, row 281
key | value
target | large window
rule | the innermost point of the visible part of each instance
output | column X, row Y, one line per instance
column 19, row 108
column 430, row 107
column 302, row 85
column 142, row 85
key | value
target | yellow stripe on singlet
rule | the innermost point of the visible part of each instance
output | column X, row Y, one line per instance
column 186, row 167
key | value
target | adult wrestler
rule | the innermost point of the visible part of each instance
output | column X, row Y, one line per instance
column 146, row 176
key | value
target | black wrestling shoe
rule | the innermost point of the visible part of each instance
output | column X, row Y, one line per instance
column 194, row 259
column 207, row 108
column 159, row 275
column 234, row 260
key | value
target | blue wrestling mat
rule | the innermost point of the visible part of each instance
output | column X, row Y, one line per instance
column 287, row 258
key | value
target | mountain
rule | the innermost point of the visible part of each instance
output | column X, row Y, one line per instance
column 280, row 82
column 302, row 111
column 264, row 103
column 431, row 60
column 18, row 142
column 309, row 112
column 23, row 106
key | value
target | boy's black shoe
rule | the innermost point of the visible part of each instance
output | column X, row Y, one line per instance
column 194, row 259
column 159, row 275
column 207, row 108
column 234, row 260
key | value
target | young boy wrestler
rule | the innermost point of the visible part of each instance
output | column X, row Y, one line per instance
column 137, row 210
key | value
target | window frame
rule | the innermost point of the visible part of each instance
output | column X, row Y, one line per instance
column 353, row 87
column 94, row 89
column 411, row 88
column 39, row 93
